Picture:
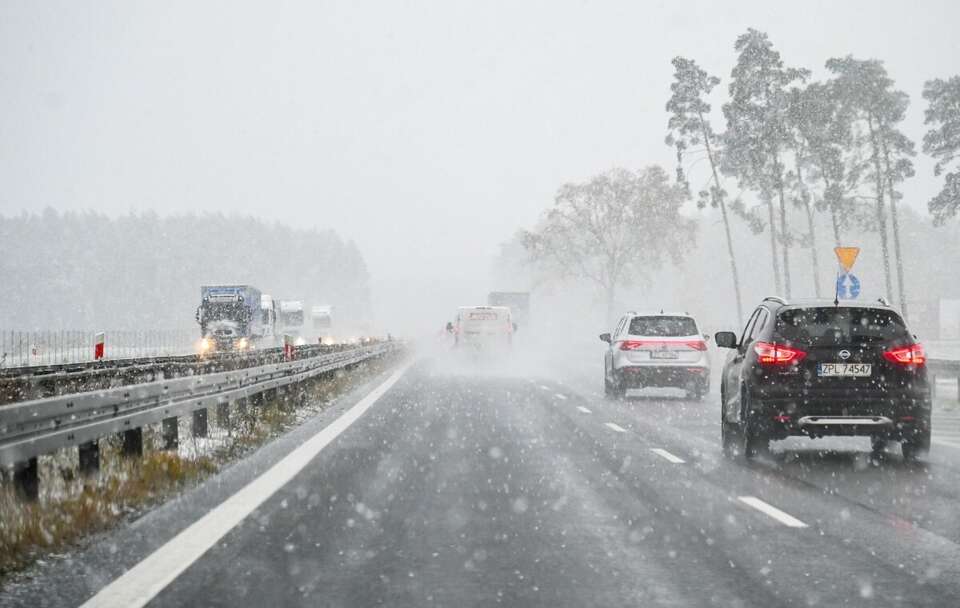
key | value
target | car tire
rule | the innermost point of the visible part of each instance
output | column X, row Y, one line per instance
column 878, row 445
column 729, row 437
column 916, row 446
column 755, row 441
column 608, row 391
column 699, row 393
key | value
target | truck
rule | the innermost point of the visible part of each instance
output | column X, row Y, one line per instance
column 483, row 328
column 517, row 301
column 230, row 318
column 290, row 318
column 268, row 314
column 321, row 319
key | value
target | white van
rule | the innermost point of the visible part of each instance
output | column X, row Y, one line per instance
column 484, row 327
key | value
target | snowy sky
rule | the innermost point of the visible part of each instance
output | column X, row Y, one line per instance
column 427, row 132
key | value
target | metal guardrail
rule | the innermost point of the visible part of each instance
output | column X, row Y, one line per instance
column 943, row 368
column 123, row 363
column 31, row 428
column 36, row 382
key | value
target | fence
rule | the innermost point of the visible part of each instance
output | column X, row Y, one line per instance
column 22, row 348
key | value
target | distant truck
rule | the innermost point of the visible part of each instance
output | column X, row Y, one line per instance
column 268, row 314
column 484, row 328
column 517, row 301
column 321, row 320
column 290, row 318
column 230, row 318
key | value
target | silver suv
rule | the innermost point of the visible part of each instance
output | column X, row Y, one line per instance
column 656, row 350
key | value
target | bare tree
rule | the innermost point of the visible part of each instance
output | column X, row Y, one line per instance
column 612, row 230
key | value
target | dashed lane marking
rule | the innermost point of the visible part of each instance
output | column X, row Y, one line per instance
column 771, row 511
column 944, row 443
column 667, row 456
column 561, row 396
column 616, row 427
column 584, row 410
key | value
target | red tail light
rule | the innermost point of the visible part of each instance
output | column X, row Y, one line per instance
column 769, row 353
column 639, row 344
column 907, row 355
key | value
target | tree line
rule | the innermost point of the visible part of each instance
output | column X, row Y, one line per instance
column 797, row 150
column 834, row 147
column 143, row 271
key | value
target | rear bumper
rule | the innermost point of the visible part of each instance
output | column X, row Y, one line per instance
column 892, row 418
column 665, row 376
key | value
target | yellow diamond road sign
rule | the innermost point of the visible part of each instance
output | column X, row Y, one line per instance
column 847, row 256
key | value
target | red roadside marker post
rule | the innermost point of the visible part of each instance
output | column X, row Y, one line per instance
column 98, row 346
column 288, row 350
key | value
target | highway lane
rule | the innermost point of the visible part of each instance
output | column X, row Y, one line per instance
column 469, row 489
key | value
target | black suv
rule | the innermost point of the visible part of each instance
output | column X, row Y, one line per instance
column 820, row 368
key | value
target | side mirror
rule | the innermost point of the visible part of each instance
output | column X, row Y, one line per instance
column 706, row 337
column 725, row 339
column 605, row 338
column 197, row 315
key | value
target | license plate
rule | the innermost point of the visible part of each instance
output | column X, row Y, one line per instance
column 663, row 354
column 847, row 370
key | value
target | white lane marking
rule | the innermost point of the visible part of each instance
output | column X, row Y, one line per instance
column 559, row 396
column 616, row 427
column 545, row 388
column 143, row 582
column 584, row 410
column 771, row 511
column 944, row 443
column 667, row 455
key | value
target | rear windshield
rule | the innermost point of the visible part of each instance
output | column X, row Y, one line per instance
column 831, row 326
column 663, row 326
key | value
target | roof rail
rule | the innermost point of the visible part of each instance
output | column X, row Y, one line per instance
column 776, row 299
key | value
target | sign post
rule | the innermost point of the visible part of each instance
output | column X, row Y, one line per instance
column 98, row 346
column 848, row 285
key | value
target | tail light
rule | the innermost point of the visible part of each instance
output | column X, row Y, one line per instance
column 907, row 355
column 771, row 353
column 640, row 344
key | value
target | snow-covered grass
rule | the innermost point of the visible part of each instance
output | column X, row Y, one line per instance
column 76, row 507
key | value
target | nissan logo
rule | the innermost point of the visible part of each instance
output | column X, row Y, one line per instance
column 844, row 354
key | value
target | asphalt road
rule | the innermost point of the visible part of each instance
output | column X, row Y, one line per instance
column 472, row 489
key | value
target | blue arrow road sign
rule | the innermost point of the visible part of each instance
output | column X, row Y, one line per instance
column 848, row 286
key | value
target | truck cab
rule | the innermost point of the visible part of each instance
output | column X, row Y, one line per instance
column 230, row 318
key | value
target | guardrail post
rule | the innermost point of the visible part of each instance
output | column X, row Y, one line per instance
column 200, row 423
column 89, row 454
column 958, row 387
column 933, row 387
column 132, row 442
column 26, row 480
column 223, row 415
column 171, row 433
